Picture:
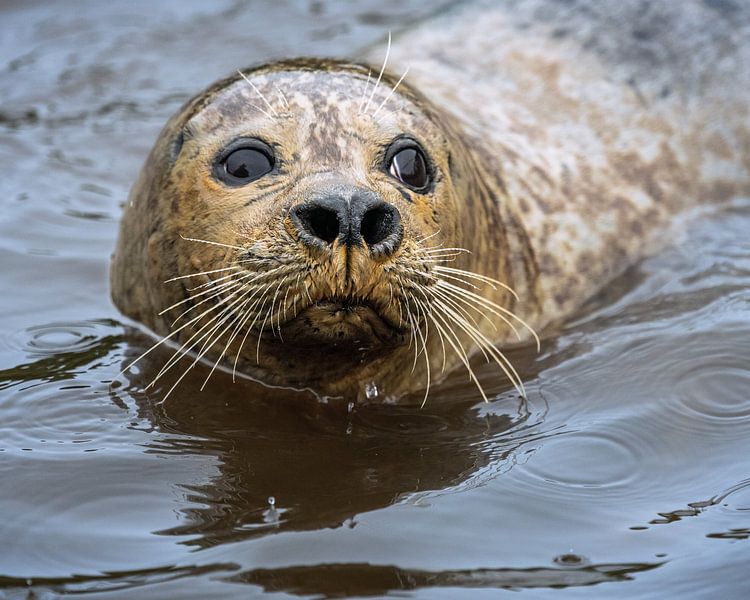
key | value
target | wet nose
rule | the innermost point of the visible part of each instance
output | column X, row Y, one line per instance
column 352, row 219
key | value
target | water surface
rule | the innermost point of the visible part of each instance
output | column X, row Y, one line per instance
column 626, row 473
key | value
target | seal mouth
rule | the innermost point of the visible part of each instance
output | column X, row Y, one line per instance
column 336, row 320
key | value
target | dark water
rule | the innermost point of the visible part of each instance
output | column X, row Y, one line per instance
column 626, row 474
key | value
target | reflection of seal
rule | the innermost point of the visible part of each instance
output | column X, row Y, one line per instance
column 330, row 227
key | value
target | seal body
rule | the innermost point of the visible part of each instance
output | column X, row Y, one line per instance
column 595, row 121
column 330, row 225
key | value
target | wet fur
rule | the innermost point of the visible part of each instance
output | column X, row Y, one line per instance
column 562, row 144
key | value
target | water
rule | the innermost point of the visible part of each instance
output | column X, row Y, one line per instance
column 625, row 474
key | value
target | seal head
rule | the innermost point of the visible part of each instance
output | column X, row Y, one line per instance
column 298, row 213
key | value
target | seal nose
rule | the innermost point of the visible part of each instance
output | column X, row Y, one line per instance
column 353, row 219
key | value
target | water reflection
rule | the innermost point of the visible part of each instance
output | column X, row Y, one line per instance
column 344, row 580
column 323, row 463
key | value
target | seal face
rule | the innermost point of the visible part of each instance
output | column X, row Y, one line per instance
column 301, row 216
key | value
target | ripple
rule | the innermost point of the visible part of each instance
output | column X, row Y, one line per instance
column 719, row 398
column 711, row 386
column 51, row 339
column 61, row 351
column 54, row 338
column 585, row 460
column 57, row 421
column 570, row 560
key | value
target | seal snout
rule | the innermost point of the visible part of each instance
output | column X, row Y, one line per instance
column 353, row 217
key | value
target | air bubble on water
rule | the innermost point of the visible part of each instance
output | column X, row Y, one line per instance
column 371, row 390
column 271, row 515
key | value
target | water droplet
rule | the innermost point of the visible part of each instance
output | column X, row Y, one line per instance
column 371, row 390
column 570, row 560
column 271, row 515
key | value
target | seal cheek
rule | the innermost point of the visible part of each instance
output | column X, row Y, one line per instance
column 155, row 270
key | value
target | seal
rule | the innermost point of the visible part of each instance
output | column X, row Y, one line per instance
column 339, row 227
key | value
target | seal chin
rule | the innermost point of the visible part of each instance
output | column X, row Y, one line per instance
column 331, row 322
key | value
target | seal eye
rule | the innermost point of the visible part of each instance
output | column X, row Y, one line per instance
column 245, row 162
column 408, row 164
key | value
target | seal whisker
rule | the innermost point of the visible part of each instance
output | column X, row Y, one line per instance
column 421, row 240
column 364, row 90
column 260, row 332
column 380, row 75
column 230, row 286
column 282, row 96
column 206, row 347
column 237, row 320
column 296, row 289
column 489, row 305
column 480, row 308
column 239, row 323
column 494, row 283
column 463, row 309
column 441, row 251
column 220, row 317
column 423, row 337
column 483, row 343
column 388, row 97
column 213, row 291
column 184, row 350
column 398, row 305
column 455, row 342
column 447, row 276
column 172, row 334
column 413, row 335
column 273, row 303
column 284, row 306
column 250, row 328
column 211, row 325
column 262, row 97
column 191, row 239
column 427, row 308
column 262, row 298
column 230, row 268
column 446, row 258
column 254, row 274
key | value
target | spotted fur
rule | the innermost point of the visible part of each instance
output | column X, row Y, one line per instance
column 563, row 138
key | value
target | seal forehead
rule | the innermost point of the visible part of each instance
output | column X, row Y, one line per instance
column 322, row 98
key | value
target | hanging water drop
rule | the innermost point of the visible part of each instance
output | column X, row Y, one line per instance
column 371, row 390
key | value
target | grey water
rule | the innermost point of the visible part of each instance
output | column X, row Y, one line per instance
column 625, row 473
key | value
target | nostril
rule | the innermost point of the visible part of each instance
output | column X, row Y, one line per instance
column 320, row 222
column 378, row 223
column 381, row 230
